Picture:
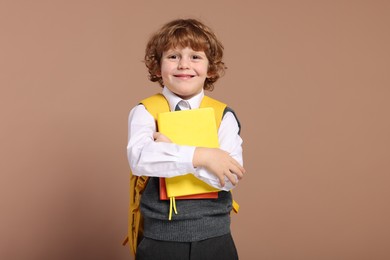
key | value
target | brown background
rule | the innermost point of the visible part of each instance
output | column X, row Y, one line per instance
column 308, row 79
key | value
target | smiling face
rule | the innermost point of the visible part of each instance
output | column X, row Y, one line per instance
column 184, row 71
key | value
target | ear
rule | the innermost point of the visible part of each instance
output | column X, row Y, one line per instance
column 210, row 72
column 210, row 75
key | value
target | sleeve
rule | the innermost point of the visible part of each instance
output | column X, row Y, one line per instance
column 231, row 142
column 155, row 159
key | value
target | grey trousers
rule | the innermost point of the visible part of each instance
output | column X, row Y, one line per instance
column 215, row 248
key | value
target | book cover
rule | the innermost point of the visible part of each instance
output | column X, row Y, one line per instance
column 196, row 127
column 164, row 195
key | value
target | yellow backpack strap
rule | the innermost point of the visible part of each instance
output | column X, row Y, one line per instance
column 135, row 222
column 156, row 104
column 218, row 106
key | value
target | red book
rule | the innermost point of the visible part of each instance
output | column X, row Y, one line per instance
column 163, row 194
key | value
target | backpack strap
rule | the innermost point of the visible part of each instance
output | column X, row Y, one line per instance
column 218, row 106
column 156, row 104
column 135, row 221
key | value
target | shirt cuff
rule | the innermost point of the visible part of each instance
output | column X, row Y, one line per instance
column 187, row 157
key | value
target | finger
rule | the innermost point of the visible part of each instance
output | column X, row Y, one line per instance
column 237, row 171
column 222, row 180
column 232, row 178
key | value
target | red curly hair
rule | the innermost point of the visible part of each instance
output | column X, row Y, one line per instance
column 185, row 33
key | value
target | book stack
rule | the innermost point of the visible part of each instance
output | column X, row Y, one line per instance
column 196, row 127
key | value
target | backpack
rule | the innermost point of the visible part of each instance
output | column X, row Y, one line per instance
column 154, row 105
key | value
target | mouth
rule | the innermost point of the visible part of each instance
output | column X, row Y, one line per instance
column 184, row 76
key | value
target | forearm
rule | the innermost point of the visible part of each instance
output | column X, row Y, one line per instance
column 219, row 163
column 161, row 160
column 149, row 154
column 231, row 142
column 149, row 158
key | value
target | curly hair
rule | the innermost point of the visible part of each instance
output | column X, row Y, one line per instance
column 185, row 33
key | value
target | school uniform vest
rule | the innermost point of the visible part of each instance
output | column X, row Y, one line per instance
column 197, row 219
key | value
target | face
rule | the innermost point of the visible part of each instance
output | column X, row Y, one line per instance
column 184, row 71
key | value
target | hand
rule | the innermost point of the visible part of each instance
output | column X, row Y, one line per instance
column 159, row 137
column 220, row 163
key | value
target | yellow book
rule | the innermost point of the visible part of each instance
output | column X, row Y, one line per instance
column 196, row 127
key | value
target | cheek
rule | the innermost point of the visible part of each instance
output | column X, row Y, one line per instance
column 207, row 70
column 202, row 69
column 162, row 71
column 165, row 68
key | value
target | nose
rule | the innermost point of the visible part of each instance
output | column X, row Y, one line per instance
column 183, row 64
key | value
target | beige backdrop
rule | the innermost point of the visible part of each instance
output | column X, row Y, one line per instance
column 308, row 79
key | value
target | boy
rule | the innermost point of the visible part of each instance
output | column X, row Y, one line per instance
column 185, row 57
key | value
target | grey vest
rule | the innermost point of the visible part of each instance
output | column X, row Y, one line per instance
column 197, row 219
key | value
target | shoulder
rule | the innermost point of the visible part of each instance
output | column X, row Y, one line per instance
column 225, row 112
column 229, row 114
column 155, row 104
column 219, row 104
column 207, row 100
column 139, row 116
column 158, row 97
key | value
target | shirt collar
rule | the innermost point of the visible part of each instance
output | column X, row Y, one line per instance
column 173, row 99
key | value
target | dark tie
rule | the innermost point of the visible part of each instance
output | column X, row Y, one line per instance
column 184, row 105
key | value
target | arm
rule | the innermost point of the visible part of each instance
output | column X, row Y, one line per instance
column 156, row 159
column 220, row 163
column 231, row 144
column 220, row 168
column 150, row 154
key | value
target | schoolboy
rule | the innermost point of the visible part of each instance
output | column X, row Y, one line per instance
column 185, row 57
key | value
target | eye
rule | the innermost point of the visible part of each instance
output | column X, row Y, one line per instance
column 172, row 57
column 196, row 57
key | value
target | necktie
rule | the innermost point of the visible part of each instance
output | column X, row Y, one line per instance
column 184, row 105
column 177, row 108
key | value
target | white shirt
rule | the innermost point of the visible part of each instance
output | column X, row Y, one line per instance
column 159, row 159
